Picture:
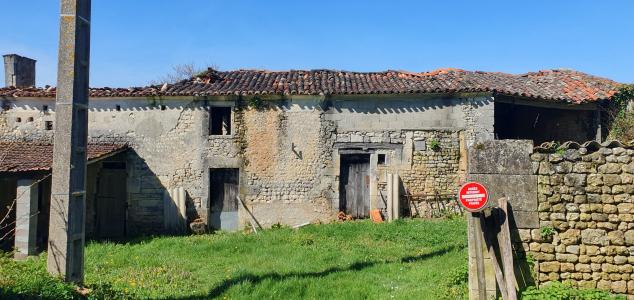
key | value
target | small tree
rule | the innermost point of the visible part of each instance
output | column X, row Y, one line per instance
column 179, row 73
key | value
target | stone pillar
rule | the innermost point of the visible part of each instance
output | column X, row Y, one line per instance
column 26, row 210
column 68, row 195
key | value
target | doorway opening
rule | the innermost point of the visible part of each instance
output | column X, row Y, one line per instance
column 354, row 185
column 223, row 196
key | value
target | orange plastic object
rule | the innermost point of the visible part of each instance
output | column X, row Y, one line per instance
column 375, row 216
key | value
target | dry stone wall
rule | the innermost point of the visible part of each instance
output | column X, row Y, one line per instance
column 586, row 216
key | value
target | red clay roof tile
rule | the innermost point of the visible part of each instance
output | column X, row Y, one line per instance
column 554, row 85
column 36, row 156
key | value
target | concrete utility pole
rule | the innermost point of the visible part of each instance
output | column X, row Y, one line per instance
column 68, row 203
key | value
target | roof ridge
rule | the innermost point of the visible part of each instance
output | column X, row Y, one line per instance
column 555, row 85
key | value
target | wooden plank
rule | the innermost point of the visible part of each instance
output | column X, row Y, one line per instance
column 396, row 190
column 390, row 196
column 506, row 250
column 474, row 220
column 489, row 237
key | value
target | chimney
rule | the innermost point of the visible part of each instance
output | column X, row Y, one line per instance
column 19, row 71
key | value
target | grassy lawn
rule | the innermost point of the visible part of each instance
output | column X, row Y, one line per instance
column 409, row 259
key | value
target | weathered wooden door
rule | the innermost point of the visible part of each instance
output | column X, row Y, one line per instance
column 110, row 202
column 223, row 185
column 355, row 185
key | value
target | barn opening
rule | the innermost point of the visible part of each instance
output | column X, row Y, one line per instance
column 223, row 196
column 543, row 123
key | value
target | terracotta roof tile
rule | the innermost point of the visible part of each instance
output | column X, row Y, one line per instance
column 35, row 156
column 554, row 85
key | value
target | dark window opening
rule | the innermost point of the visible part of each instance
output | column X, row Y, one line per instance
column 18, row 119
column 30, row 119
column 163, row 107
column 48, row 125
column 220, row 121
column 381, row 159
column 44, row 108
column 118, row 107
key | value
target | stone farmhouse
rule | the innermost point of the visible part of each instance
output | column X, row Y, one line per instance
column 229, row 148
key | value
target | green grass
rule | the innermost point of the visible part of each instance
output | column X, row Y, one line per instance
column 407, row 259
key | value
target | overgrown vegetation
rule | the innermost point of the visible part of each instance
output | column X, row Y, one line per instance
column 562, row 291
column 546, row 232
column 622, row 120
column 434, row 144
column 181, row 72
column 351, row 260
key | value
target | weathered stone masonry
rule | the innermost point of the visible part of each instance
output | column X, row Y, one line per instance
column 287, row 151
column 586, row 196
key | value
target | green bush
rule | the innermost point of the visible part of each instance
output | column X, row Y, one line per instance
column 25, row 280
column 561, row 291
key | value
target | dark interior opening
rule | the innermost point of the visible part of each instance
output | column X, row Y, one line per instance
column 7, row 196
column 44, row 207
column 542, row 124
column 381, row 159
column 220, row 120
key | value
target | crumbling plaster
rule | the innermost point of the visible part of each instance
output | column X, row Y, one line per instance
column 287, row 151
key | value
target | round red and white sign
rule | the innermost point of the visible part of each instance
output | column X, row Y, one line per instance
column 473, row 196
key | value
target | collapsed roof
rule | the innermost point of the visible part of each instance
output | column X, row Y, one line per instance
column 549, row 85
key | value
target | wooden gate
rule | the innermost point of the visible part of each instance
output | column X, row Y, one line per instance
column 355, row 185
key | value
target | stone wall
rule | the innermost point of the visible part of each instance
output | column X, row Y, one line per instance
column 586, row 196
column 287, row 151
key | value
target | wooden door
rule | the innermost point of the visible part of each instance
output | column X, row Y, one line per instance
column 111, row 203
column 355, row 185
column 224, row 191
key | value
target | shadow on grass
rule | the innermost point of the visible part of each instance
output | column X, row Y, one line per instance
column 256, row 279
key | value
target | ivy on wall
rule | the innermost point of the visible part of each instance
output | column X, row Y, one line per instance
column 622, row 120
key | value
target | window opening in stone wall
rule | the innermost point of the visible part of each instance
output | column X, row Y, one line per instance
column 45, row 108
column 163, row 107
column 220, row 121
column 118, row 107
column 381, row 159
column 48, row 125
column 18, row 119
column 30, row 119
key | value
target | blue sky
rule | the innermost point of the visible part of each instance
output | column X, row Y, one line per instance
column 134, row 42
